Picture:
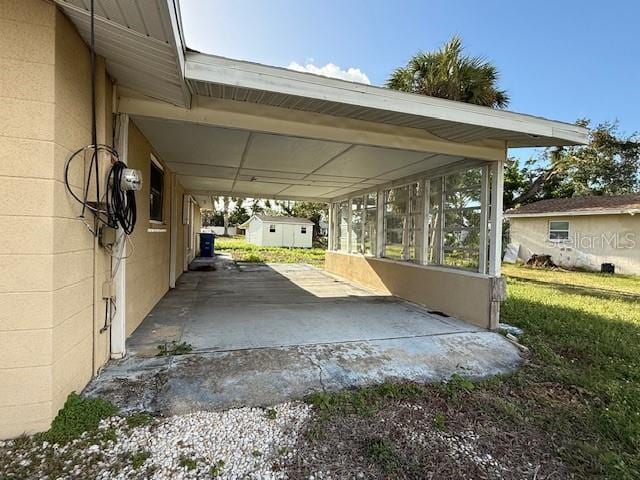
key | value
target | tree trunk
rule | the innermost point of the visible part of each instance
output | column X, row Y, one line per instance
column 225, row 215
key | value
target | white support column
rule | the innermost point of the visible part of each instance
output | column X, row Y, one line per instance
column 363, row 222
column 119, row 261
column 349, row 232
column 484, row 219
column 495, row 245
column 331, row 229
column 380, row 225
column 174, row 232
column 426, row 205
column 443, row 202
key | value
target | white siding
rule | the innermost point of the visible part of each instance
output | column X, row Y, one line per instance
column 285, row 235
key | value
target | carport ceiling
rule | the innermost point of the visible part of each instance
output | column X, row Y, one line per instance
column 242, row 163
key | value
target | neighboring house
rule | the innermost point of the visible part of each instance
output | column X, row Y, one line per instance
column 580, row 232
column 278, row 231
column 199, row 126
column 323, row 228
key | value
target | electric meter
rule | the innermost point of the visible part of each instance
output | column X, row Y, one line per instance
column 131, row 179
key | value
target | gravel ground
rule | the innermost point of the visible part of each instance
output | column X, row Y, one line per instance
column 240, row 443
column 421, row 438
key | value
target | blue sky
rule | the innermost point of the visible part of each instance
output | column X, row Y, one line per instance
column 560, row 59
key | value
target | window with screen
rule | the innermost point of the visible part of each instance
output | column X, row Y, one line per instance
column 357, row 205
column 369, row 231
column 303, row 229
column 272, row 228
column 558, row 231
column 156, row 191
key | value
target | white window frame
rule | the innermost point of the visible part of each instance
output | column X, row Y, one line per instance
column 558, row 240
column 272, row 226
column 303, row 230
column 157, row 163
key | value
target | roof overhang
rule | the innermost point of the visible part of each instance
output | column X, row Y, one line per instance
column 332, row 137
column 575, row 213
column 236, row 80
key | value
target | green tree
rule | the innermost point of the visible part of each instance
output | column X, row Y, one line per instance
column 314, row 211
column 448, row 73
column 608, row 165
column 239, row 215
column 256, row 208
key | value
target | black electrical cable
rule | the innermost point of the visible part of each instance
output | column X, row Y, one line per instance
column 121, row 205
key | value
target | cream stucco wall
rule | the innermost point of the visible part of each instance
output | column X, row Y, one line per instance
column 52, row 313
column 47, row 322
column 594, row 239
column 468, row 296
column 147, row 278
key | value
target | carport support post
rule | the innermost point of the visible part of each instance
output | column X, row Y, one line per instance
column 380, row 225
column 330, row 230
column 173, row 233
column 119, row 260
column 484, row 219
column 495, row 246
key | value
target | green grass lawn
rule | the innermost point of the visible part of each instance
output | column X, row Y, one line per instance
column 586, row 341
column 242, row 251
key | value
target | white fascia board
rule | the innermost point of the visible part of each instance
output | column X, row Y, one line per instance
column 219, row 70
column 282, row 121
column 173, row 6
column 574, row 213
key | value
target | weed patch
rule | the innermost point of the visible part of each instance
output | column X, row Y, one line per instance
column 138, row 458
column 139, row 419
column 174, row 348
column 78, row 415
column 188, row 462
column 382, row 452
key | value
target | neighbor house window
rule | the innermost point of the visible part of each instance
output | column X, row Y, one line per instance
column 303, row 229
column 156, row 190
column 558, row 231
column 272, row 228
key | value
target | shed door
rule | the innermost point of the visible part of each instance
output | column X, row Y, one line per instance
column 288, row 236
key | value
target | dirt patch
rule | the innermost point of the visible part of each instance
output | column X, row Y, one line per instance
column 426, row 437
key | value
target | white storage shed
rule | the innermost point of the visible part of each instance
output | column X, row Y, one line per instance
column 278, row 231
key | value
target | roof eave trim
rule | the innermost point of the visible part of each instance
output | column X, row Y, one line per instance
column 574, row 213
column 179, row 47
column 219, row 70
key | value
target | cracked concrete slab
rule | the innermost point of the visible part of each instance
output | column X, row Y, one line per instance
column 264, row 334
column 260, row 377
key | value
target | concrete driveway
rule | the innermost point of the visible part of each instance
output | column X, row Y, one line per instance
column 263, row 334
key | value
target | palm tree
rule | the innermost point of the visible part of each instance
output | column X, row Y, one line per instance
column 448, row 73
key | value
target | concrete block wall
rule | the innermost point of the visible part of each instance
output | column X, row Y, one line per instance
column 49, row 270
column 52, row 269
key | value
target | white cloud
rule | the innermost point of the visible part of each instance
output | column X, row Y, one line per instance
column 332, row 70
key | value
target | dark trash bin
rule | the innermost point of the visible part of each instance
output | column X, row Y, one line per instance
column 607, row 268
column 207, row 241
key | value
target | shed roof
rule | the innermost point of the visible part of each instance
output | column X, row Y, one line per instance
column 588, row 205
column 279, row 219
